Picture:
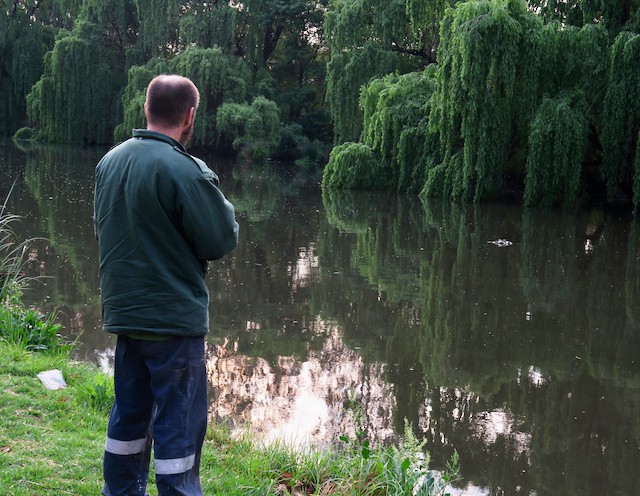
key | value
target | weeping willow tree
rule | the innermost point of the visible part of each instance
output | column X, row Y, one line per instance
column 253, row 129
column 220, row 78
column 271, row 48
column 396, row 116
column 619, row 15
column 371, row 38
column 73, row 102
column 397, row 143
column 27, row 30
column 563, row 143
column 75, row 99
column 209, row 24
column 480, row 95
column 353, row 166
column 556, row 152
column 621, row 120
column 517, row 105
column 614, row 15
column 22, row 66
column 158, row 26
column 495, row 108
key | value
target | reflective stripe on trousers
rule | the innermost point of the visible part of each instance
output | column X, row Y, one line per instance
column 170, row 466
column 125, row 447
column 161, row 395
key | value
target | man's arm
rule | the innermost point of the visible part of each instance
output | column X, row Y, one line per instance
column 208, row 220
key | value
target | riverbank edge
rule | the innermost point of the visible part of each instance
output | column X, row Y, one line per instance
column 52, row 441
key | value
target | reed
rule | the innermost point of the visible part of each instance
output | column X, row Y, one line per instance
column 25, row 327
column 13, row 256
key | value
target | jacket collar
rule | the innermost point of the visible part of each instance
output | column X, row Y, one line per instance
column 145, row 133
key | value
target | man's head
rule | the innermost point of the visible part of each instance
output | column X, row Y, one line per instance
column 171, row 106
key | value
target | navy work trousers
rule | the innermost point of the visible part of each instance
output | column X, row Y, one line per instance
column 161, row 398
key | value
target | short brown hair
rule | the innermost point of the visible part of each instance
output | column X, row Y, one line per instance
column 169, row 98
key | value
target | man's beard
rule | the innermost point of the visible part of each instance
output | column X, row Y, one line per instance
column 186, row 135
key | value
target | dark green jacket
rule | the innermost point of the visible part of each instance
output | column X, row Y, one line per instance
column 159, row 216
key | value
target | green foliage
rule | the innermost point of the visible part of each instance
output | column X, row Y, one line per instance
column 73, row 101
column 488, row 102
column 572, row 60
column 556, row 151
column 402, row 469
column 26, row 134
column 13, row 257
column 209, row 24
column 76, row 71
column 614, row 15
column 158, row 26
column 396, row 116
column 353, row 166
column 254, row 129
column 490, row 108
column 424, row 15
column 293, row 144
column 396, row 136
column 368, row 39
column 619, row 15
column 97, row 392
column 347, row 71
column 621, row 118
column 23, row 44
column 479, row 92
column 220, row 78
column 30, row 329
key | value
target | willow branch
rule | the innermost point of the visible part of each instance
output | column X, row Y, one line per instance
column 415, row 52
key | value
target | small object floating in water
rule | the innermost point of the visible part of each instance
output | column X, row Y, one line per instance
column 52, row 379
column 501, row 242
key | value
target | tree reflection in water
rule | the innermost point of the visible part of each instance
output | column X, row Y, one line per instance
column 523, row 358
column 301, row 401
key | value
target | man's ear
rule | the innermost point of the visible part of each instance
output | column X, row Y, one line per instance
column 189, row 117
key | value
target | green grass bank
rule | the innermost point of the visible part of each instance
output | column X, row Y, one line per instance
column 51, row 443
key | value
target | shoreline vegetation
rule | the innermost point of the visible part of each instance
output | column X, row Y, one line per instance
column 532, row 102
column 52, row 441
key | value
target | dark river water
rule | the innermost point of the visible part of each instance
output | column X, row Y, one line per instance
column 344, row 311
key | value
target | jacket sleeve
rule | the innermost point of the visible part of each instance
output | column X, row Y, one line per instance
column 208, row 219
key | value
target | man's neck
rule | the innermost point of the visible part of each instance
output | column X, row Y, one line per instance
column 174, row 133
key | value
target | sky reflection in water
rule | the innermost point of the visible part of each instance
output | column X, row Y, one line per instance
column 349, row 311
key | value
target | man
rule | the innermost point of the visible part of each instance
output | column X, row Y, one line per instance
column 159, row 217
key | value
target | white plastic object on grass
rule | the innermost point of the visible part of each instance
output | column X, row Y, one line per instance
column 52, row 379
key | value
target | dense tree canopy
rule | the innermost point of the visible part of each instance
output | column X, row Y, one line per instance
column 371, row 38
column 398, row 146
column 532, row 100
column 76, row 73
column 27, row 29
column 219, row 77
column 253, row 128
